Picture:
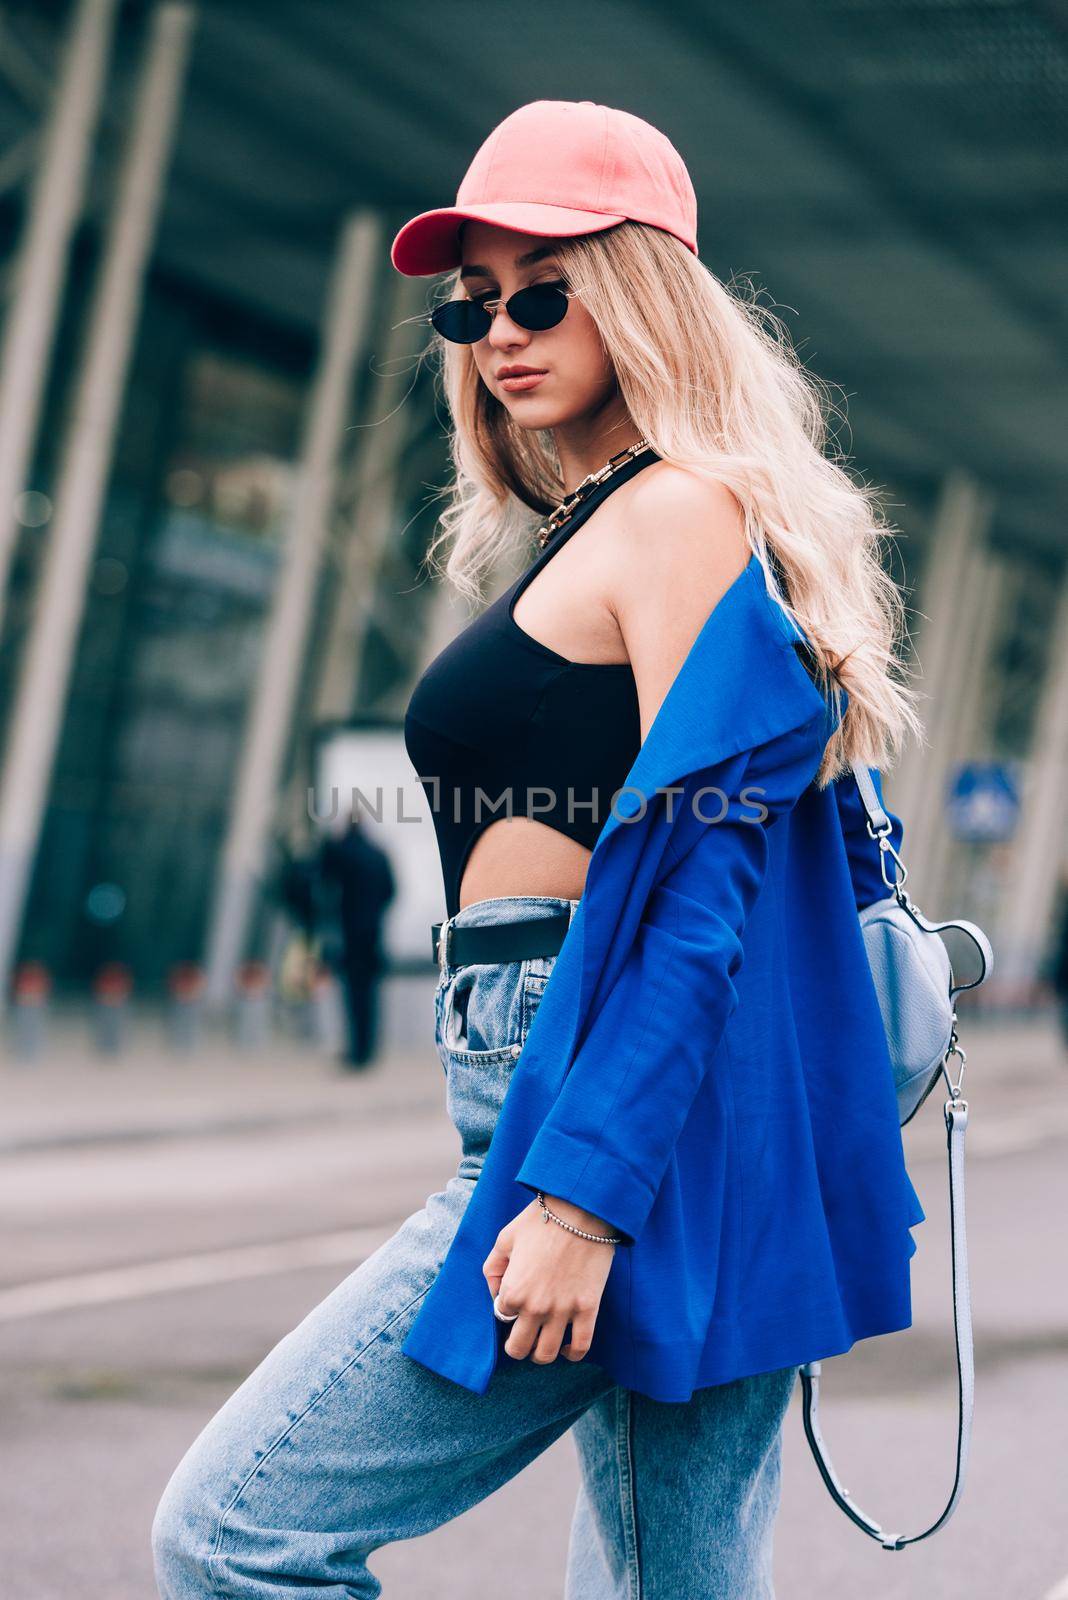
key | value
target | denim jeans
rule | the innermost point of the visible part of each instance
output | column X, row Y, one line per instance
column 337, row 1443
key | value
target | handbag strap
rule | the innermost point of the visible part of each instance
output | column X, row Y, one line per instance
column 956, row 1116
column 880, row 827
column 956, row 1113
column 876, row 815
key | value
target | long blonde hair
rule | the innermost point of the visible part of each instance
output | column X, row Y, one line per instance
column 711, row 379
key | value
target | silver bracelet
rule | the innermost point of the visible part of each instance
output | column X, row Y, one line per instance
column 601, row 1238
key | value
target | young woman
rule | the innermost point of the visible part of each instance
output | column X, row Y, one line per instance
column 653, row 994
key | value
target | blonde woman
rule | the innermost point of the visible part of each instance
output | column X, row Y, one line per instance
column 653, row 995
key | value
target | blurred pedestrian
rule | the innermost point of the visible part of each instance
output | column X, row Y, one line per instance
column 361, row 872
column 1059, row 968
column 297, row 886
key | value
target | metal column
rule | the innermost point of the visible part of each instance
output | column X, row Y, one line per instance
column 260, row 773
column 1039, row 851
column 53, row 213
column 82, row 478
column 915, row 789
column 967, row 690
column 372, row 497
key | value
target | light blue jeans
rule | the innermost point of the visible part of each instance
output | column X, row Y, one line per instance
column 337, row 1443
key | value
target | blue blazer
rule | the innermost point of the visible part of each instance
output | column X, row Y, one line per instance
column 708, row 1069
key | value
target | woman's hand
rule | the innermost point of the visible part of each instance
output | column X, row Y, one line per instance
column 554, row 1278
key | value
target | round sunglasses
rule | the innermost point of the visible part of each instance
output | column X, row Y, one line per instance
column 535, row 308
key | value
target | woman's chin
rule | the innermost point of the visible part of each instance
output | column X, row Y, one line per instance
column 538, row 417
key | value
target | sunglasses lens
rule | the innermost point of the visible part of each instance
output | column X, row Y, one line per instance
column 461, row 321
column 540, row 306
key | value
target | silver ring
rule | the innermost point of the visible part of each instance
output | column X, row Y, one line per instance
column 498, row 1315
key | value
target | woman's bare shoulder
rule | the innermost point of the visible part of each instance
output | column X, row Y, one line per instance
column 680, row 546
column 678, row 527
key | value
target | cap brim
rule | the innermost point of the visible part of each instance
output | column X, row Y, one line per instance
column 429, row 242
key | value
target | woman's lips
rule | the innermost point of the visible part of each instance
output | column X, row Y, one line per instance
column 527, row 380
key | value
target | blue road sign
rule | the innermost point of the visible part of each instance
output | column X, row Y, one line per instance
column 982, row 801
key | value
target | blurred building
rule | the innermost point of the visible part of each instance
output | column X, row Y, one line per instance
column 196, row 205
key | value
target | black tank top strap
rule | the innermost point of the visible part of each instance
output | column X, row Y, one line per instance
column 579, row 515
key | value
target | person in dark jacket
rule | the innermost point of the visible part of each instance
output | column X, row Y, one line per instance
column 297, row 887
column 365, row 884
column 1059, row 970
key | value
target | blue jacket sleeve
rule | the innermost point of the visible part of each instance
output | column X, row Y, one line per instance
column 861, row 849
column 608, row 1140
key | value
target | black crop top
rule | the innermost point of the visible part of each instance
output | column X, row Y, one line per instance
column 509, row 727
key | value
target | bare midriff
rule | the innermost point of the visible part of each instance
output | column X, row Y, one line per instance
column 519, row 855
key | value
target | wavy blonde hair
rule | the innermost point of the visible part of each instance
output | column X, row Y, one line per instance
column 711, row 379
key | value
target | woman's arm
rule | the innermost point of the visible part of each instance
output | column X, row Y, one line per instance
column 607, row 1142
column 681, row 545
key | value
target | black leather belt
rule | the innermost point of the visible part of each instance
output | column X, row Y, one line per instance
column 499, row 941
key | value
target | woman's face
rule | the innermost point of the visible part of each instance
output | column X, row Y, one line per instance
column 578, row 377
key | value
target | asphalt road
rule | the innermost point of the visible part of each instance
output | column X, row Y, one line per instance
column 141, row 1281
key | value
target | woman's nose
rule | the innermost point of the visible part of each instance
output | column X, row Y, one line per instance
column 504, row 333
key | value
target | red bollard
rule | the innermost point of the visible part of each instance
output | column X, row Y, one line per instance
column 253, row 1003
column 111, row 994
column 185, row 985
column 30, row 988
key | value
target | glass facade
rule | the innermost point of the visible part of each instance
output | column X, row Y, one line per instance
column 169, row 651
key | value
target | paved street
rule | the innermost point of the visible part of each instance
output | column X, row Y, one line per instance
column 166, row 1223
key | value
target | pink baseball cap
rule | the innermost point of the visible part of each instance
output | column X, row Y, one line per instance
column 555, row 168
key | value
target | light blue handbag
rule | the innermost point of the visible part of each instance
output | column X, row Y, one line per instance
column 919, row 968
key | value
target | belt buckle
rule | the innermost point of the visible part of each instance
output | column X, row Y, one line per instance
column 443, row 947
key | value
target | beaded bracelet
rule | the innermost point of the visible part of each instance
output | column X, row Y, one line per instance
column 601, row 1238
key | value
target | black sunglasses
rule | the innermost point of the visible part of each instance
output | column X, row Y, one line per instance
column 537, row 307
